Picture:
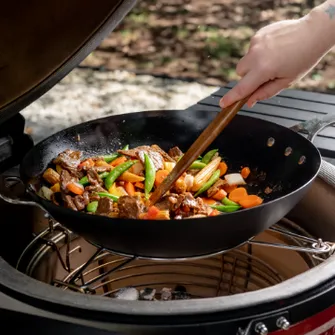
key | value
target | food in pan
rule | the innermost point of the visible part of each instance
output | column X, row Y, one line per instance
column 119, row 185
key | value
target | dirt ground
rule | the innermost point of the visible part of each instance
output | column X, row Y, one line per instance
column 200, row 40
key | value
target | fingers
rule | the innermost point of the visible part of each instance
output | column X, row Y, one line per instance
column 247, row 85
column 268, row 90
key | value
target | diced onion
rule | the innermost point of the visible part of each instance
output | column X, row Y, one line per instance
column 234, row 179
column 189, row 179
column 169, row 166
column 45, row 193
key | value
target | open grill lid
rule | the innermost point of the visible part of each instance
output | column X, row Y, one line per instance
column 42, row 41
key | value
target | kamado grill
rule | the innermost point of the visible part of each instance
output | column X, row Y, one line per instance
column 53, row 280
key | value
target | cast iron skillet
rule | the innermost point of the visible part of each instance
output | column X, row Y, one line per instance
column 244, row 142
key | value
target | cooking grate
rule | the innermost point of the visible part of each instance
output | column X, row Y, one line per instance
column 62, row 259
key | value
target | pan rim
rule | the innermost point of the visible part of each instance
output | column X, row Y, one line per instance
column 153, row 112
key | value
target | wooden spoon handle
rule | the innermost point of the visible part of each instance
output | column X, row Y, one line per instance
column 198, row 147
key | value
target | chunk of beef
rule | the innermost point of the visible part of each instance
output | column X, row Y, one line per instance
column 86, row 197
column 105, row 206
column 139, row 152
column 65, row 179
column 68, row 202
column 186, row 205
column 103, row 168
column 215, row 188
column 175, row 153
column 79, row 201
column 129, row 207
column 93, row 177
column 165, row 155
column 94, row 188
column 164, row 203
column 69, row 160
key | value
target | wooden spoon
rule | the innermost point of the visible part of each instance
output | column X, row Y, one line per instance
column 198, row 147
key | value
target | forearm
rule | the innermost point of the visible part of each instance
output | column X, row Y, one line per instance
column 322, row 21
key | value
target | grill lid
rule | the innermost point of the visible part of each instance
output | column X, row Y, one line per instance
column 42, row 41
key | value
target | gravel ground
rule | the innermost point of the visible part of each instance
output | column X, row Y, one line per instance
column 87, row 94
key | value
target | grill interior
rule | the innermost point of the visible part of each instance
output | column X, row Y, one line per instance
column 57, row 257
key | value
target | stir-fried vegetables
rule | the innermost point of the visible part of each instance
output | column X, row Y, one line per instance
column 119, row 185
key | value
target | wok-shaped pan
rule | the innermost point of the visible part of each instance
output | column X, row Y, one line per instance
column 290, row 161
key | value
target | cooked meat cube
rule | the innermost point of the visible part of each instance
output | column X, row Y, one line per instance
column 105, row 206
column 69, row 160
column 175, row 153
column 86, row 197
column 103, row 168
column 129, row 207
column 94, row 188
column 93, row 177
column 79, row 201
column 69, row 203
column 139, row 152
column 51, row 176
column 215, row 188
column 165, row 155
column 65, row 179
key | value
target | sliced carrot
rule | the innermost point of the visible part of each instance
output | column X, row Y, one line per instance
column 220, row 195
column 101, row 163
column 229, row 188
column 223, row 168
column 152, row 213
column 245, row 172
column 238, row 194
column 75, row 188
column 139, row 185
column 88, row 163
column 208, row 201
column 118, row 161
column 250, row 201
column 214, row 212
column 130, row 188
column 160, row 176
column 55, row 188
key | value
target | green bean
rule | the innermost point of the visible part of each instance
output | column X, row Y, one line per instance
column 197, row 165
column 92, row 207
column 208, row 157
column 108, row 195
column 113, row 156
column 150, row 175
column 84, row 180
column 228, row 202
column 226, row 209
column 212, row 180
column 117, row 172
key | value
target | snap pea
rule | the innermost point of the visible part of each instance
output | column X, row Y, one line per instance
column 84, row 180
column 92, row 207
column 197, row 165
column 212, row 180
column 150, row 175
column 228, row 202
column 113, row 156
column 210, row 154
column 117, row 172
column 108, row 195
column 226, row 209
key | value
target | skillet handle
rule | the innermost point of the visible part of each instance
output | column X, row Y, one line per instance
column 312, row 127
column 13, row 191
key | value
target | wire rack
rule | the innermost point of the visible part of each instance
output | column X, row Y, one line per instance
column 106, row 273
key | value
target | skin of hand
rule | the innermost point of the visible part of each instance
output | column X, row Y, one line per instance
column 282, row 53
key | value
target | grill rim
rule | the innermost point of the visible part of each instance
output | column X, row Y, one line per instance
column 39, row 294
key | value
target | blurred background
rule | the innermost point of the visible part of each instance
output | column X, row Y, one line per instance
column 167, row 54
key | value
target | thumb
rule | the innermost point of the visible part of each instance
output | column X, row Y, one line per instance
column 268, row 90
column 247, row 85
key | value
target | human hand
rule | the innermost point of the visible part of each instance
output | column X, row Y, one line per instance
column 279, row 55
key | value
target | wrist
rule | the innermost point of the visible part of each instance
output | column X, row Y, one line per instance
column 321, row 24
